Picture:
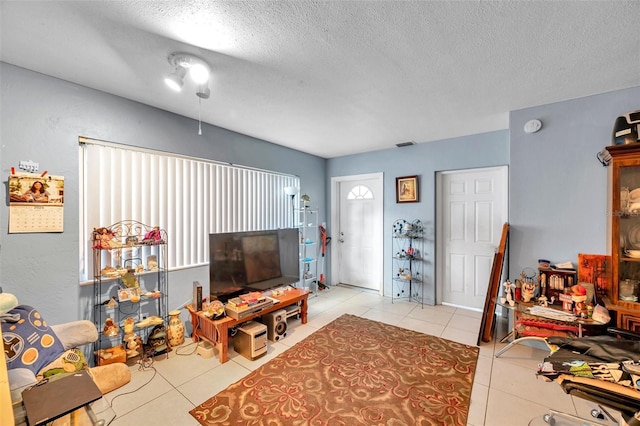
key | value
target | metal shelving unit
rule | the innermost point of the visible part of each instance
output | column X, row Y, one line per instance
column 408, row 261
column 309, row 246
column 130, row 280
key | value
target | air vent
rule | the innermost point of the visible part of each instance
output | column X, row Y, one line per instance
column 403, row 144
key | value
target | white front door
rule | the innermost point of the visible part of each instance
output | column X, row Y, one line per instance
column 473, row 206
column 356, row 237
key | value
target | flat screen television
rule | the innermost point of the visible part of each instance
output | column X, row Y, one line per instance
column 240, row 262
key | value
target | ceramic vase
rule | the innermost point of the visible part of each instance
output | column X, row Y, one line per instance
column 175, row 330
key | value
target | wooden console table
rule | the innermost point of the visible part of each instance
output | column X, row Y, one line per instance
column 216, row 332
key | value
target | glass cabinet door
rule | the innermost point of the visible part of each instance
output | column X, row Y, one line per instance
column 626, row 230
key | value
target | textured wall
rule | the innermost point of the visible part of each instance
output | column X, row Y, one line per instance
column 425, row 160
column 558, row 190
column 41, row 119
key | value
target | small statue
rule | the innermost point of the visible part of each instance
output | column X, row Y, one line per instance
column 128, row 325
column 132, row 344
column 528, row 289
column 152, row 263
column 153, row 237
column 579, row 297
column 543, row 301
column 104, row 239
column 508, row 294
column 110, row 328
column 405, row 274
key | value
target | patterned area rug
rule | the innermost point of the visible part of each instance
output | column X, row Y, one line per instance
column 353, row 371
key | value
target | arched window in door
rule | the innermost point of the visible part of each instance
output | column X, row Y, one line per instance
column 360, row 192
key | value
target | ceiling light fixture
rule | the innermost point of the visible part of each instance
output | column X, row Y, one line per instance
column 199, row 73
column 175, row 80
column 198, row 70
column 203, row 91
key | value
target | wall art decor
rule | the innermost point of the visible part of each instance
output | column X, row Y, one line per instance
column 407, row 189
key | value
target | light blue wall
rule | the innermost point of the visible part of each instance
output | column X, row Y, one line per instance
column 558, row 190
column 41, row 119
column 425, row 160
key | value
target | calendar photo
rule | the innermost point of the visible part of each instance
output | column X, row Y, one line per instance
column 36, row 203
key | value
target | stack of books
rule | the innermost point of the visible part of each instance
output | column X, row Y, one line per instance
column 237, row 304
column 252, row 298
column 246, row 304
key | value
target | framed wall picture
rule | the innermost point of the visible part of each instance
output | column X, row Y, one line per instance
column 407, row 189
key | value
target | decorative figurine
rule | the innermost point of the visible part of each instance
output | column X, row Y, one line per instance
column 543, row 301
column 153, row 237
column 152, row 263
column 567, row 300
column 132, row 345
column 508, row 294
column 104, row 239
column 110, row 328
column 528, row 289
column 405, row 274
column 129, row 325
column 517, row 291
column 579, row 297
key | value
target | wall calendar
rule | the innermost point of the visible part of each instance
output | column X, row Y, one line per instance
column 36, row 203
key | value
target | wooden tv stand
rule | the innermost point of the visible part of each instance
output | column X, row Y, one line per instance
column 216, row 332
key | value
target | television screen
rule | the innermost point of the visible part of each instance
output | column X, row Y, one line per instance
column 261, row 257
column 254, row 260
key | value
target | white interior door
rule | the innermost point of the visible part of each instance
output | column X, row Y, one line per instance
column 472, row 209
column 357, row 231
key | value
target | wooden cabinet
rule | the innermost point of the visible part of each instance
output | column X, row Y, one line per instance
column 625, row 232
column 554, row 282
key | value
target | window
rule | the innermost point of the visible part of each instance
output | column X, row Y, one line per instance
column 360, row 192
column 188, row 197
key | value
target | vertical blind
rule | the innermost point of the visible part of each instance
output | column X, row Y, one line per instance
column 188, row 197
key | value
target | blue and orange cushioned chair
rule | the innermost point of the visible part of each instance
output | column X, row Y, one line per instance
column 602, row 369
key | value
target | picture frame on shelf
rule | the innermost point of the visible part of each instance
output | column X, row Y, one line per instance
column 407, row 189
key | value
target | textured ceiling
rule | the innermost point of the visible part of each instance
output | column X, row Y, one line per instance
column 335, row 78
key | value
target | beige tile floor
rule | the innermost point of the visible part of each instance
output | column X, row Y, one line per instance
column 505, row 390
